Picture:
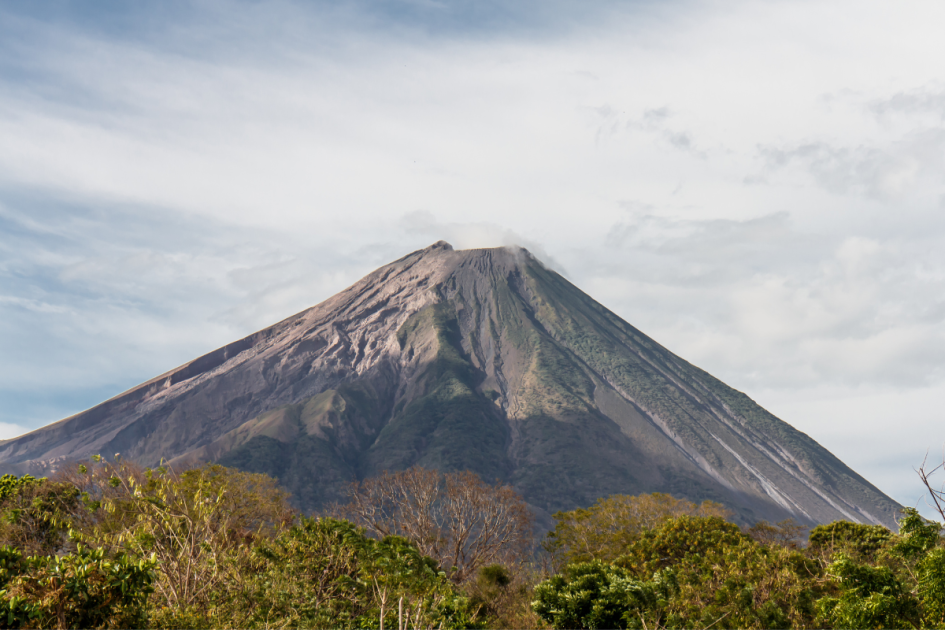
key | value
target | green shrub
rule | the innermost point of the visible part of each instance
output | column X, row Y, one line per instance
column 81, row 590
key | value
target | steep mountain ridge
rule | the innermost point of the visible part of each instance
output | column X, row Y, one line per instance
column 474, row 359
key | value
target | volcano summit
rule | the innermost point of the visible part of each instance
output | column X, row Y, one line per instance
column 478, row 359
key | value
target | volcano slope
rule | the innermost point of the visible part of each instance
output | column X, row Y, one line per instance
column 476, row 359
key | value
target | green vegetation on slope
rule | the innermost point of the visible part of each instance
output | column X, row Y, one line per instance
column 448, row 424
column 695, row 407
column 620, row 354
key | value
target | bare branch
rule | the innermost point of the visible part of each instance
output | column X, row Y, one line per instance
column 937, row 496
column 455, row 518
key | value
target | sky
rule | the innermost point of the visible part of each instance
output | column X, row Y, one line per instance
column 760, row 187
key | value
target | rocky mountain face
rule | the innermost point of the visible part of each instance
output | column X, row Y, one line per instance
column 476, row 359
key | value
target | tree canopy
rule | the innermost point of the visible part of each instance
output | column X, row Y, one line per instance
column 112, row 545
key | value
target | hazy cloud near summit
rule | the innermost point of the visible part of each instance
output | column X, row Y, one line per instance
column 472, row 235
column 758, row 186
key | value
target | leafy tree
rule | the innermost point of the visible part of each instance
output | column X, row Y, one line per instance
column 930, row 579
column 687, row 572
column 878, row 579
column 679, row 539
column 397, row 572
column 197, row 525
column 81, row 590
column 327, row 573
column 11, row 485
column 605, row 530
column 869, row 597
column 917, row 536
column 599, row 595
column 918, row 554
column 856, row 540
column 36, row 514
column 309, row 574
column 746, row 585
column 221, row 551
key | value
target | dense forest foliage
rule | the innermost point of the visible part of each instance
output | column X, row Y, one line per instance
column 112, row 545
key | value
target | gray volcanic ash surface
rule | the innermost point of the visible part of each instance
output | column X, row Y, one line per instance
column 476, row 359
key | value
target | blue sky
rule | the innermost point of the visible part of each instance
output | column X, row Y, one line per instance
column 758, row 186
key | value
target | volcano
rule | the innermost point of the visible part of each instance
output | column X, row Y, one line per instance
column 481, row 360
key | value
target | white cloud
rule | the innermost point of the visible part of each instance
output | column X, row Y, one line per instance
column 8, row 431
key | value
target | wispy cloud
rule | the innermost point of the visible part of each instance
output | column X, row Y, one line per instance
column 883, row 172
column 909, row 103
